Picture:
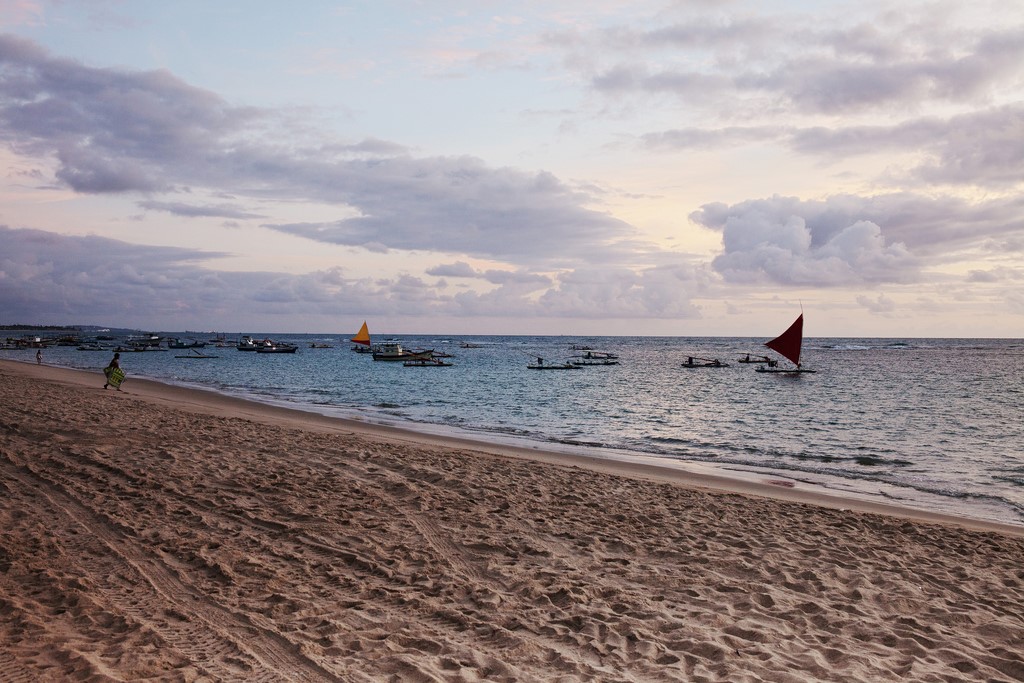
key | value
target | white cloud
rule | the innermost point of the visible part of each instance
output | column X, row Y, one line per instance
column 789, row 242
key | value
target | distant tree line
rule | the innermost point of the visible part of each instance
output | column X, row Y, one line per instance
column 38, row 327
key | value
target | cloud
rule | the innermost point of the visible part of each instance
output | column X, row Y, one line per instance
column 193, row 211
column 850, row 240
column 882, row 304
column 898, row 62
column 786, row 241
column 459, row 205
column 461, row 269
column 979, row 148
column 51, row 278
column 119, row 131
column 110, row 130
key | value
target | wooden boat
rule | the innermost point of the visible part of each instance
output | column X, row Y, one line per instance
column 362, row 340
column 787, row 345
column 697, row 362
column 591, row 357
column 426, row 363
column 540, row 364
column 754, row 359
column 195, row 354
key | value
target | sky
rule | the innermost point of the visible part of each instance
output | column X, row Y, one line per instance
column 492, row 167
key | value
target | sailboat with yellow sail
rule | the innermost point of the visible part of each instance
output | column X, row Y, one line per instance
column 788, row 345
column 362, row 340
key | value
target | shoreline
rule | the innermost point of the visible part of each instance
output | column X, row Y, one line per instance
column 688, row 474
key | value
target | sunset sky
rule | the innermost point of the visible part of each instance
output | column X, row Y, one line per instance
column 559, row 167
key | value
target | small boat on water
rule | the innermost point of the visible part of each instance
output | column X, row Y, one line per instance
column 362, row 340
column 787, row 345
column 393, row 351
column 246, row 344
column 196, row 354
column 697, row 362
column 541, row 364
column 754, row 359
column 175, row 343
column 426, row 363
column 315, row 345
column 268, row 346
column 591, row 357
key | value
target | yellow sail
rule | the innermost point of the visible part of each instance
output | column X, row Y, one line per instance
column 363, row 336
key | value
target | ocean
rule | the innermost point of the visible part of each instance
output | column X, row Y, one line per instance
column 933, row 424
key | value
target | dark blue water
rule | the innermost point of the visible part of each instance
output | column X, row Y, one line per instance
column 931, row 423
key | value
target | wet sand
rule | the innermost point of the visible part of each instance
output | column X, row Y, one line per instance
column 172, row 534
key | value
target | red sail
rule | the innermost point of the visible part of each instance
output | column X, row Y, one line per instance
column 788, row 343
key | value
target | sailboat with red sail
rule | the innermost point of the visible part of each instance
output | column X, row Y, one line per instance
column 787, row 345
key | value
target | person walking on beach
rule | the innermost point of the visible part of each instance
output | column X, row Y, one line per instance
column 113, row 365
column 39, row 357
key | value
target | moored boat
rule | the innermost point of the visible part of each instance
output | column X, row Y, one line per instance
column 591, row 357
column 246, row 344
column 393, row 351
column 697, row 362
column 175, row 343
column 268, row 346
column 426, row 363
column 541, row 364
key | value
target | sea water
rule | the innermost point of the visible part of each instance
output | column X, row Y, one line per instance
column 934, row 424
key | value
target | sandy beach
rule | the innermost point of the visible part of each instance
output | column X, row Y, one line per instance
column 162, row 533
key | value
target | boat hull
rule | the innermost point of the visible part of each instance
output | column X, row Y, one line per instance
column 784, row 371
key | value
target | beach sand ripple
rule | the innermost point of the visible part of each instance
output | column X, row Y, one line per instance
column 152, row 541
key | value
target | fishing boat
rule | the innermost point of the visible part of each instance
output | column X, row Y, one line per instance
column 195, row 354
column 595, row 358
column 362, row 340
column 268, row 346
column 754, row 359
column 426, row 363
column 787, row 345
column 698, row 362
column 246, row 344
column 175, row 343
column 541, row 364
column 393, row 351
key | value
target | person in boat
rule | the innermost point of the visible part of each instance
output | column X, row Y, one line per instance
column 748, row 358
column 689, row 361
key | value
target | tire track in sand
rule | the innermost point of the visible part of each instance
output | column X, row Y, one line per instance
column 197, row 626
